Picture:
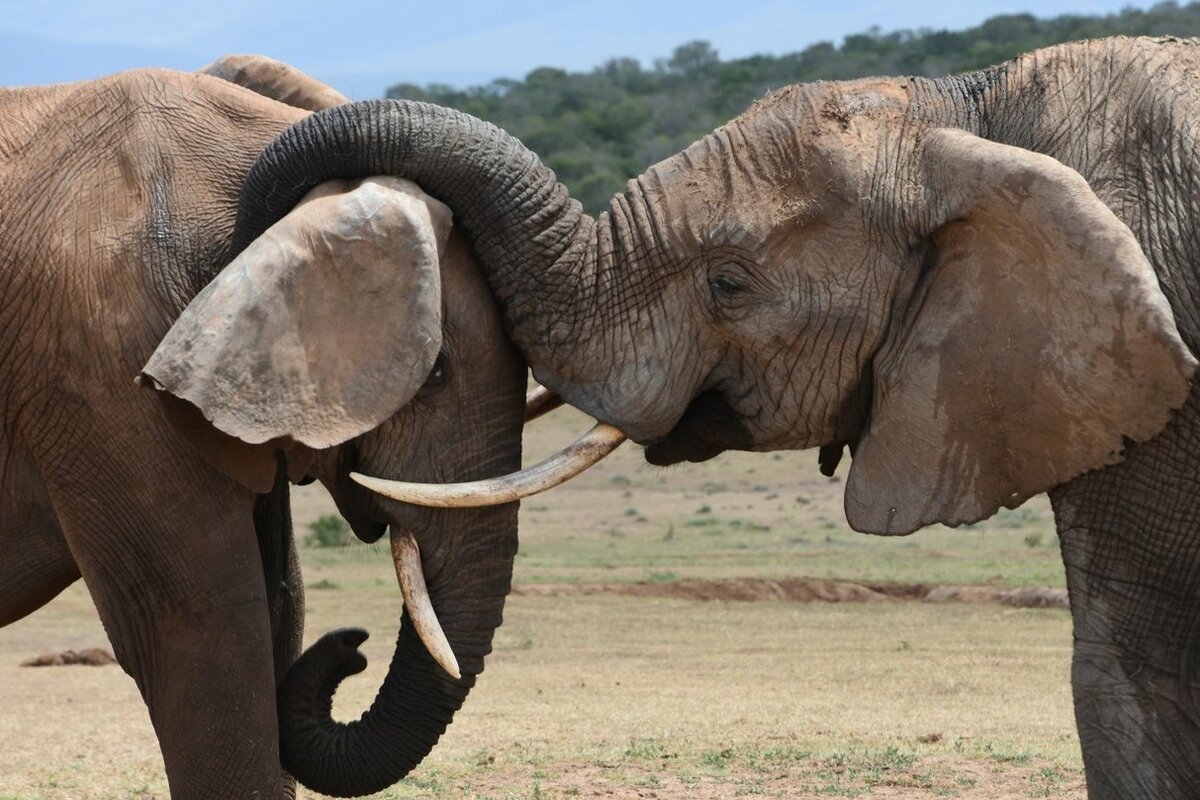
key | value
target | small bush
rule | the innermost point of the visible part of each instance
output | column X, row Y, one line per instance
column 328, row 530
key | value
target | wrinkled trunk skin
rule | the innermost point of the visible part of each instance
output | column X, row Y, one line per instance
column 569, row 287
column 573, row 291
column 519, row 218
column 417, row 700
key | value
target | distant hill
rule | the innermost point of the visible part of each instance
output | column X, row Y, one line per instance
column 598, row 129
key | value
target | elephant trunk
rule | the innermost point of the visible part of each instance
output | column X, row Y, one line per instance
column 417, row 699
column 520, row 219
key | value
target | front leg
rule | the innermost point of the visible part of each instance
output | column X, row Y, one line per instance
column 281, row 569
column 168, row 550
column 1131, row 544
column 284, row 584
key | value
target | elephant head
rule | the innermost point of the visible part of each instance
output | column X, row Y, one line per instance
column 357, row 334
column 842, row 264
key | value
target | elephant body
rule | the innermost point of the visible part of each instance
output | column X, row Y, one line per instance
column 984, row 286
column 98, row 261
column 119, row 204
column 1123, row 115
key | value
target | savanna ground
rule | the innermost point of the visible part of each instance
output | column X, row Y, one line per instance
column 593, row 692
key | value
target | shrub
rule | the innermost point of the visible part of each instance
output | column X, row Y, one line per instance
column 328, row 530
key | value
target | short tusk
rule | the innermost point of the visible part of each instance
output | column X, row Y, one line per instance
column 540, row 401
column 407, row 559
column 585, row 451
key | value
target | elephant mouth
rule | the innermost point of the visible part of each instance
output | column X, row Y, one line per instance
column 366, row 530
column 360, row 510
column 707, row 428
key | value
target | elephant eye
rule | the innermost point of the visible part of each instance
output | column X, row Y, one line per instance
column 439, row 375
column 724, row 287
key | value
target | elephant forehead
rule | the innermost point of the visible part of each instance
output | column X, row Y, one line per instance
column 755, row 180
column 869, row 98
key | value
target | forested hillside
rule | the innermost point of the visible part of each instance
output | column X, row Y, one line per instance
column 598, row 129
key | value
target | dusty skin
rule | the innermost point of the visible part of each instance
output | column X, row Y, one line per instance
column 623, row 697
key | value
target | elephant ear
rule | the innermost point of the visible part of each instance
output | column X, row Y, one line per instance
column 1036, row 344
column 321, row 328
column 276, row 80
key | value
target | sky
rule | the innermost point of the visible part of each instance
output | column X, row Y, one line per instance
column 363, row 46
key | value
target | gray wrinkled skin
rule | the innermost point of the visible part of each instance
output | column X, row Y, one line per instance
column 986, row 286
column 119, row 201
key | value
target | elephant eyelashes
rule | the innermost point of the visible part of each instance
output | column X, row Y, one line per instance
column 732, row 287
column 724, row 287
column 439, row 375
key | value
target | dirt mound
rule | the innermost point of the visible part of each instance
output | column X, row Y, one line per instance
column 91, row 657
column 807, row 590
column 799, row 590
column 1024, row 597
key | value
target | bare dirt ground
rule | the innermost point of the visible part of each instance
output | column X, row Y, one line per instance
column 654, row 647
column 814, row 779
column 808, row 590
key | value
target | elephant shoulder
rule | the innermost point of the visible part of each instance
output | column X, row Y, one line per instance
column 139, row 120
column 129, row 182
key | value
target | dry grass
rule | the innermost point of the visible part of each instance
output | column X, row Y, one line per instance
column 635, row 697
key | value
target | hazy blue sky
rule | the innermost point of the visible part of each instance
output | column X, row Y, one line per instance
column 361, row 46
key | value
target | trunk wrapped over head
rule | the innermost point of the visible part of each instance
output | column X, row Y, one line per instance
column 518, row 216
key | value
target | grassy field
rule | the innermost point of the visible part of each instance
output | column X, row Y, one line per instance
column 602, row 694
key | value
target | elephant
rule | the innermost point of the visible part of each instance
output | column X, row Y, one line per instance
column 356, row 333
column 983, row 286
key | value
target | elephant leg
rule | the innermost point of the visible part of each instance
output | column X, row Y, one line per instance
column 284, row 584
column 35, row 562
column 1131, row 544
column 167, row 548
column 281, row 570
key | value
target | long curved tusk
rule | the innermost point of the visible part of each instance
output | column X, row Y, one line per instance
column 407, row 559
column 585, row 451
column 540, row 401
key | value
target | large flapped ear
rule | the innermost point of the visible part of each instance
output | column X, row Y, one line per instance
column 323, row 327
column 276, row 80
column 1037, row 342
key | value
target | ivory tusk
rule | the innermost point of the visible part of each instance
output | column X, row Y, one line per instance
column 407, row 559
column 585, row 451
column 540, row 401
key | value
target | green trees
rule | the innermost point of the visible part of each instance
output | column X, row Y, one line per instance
column 597, row 129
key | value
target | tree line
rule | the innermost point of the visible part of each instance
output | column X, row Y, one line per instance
column 597, row 129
